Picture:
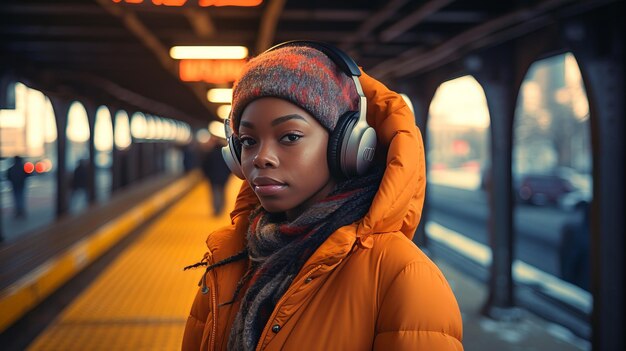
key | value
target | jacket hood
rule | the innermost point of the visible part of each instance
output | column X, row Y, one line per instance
column 398, row 203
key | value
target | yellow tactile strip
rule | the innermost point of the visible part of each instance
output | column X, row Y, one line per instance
column 34, row 287
column 141, row 301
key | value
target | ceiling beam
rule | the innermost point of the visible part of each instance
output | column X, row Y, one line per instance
column 72, row 46
column 62, row 31
column 482, row 35
column 86, row 86
column 96, row 59
column 412, row 20
column 325, row 33
column 135, row 26
column 52, row 9
column 456, row 17
column 326, row 36
column 269, row 21
column 371, row 23
column 200, row 22
column 326, row 15
column 230, row 37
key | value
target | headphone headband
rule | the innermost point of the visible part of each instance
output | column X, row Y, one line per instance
column 350, row 146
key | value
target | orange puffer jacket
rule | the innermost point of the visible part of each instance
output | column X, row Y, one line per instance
column 367, row 287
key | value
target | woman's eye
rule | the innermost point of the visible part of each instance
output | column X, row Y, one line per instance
column 290, row 138
column 245, row 141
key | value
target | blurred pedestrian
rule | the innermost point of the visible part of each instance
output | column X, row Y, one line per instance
column 216, row 172
column 574, row 249
column 189, row 157
column 80, row 183
column 17, row 176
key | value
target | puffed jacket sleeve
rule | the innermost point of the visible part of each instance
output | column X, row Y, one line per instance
column 419, row 312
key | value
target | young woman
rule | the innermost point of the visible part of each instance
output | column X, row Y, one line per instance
column 318, row 258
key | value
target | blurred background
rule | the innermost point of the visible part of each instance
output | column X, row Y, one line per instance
column 111, row 121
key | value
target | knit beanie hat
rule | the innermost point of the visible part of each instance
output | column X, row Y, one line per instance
column 301, row 75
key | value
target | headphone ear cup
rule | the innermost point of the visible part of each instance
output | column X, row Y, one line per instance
column 236, row 147
column 359, row 150
column 335, row 142
column 232, row 156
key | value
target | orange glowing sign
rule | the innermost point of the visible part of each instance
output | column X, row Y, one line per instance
column 210, row 71
column 169, row 2
column 201, row 3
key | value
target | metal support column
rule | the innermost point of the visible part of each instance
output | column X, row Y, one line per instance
column 91, row 109
column 116, row 166
column 61, row 108
column 7, row 101
column 600, row 53
column 496, row 75
column 147, row 159
column 132, row 157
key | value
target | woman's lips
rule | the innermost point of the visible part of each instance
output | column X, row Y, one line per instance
column 270, row 189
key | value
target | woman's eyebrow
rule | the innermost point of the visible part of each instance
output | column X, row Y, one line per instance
column 246, row 124
column 285, row 118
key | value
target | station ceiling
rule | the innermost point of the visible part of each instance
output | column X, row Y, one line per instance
column 117, row 51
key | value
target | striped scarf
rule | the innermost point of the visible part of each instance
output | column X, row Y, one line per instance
column 278, row 249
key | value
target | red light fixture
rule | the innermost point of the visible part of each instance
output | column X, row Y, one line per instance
column 40, row 167
column 29, row 167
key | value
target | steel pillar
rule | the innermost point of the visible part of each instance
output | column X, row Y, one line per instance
column 61, row 108
column 597, row 43
column 496, row 75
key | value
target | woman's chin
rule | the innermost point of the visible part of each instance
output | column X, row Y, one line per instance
column 272, row 207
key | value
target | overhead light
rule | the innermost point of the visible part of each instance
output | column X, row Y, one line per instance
column 203, row 136
column 208, row 52
column 217, row 129
column 223, row 111
column 220, row 95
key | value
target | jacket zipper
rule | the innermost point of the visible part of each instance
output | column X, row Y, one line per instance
column 211, row 287
column 280, row 303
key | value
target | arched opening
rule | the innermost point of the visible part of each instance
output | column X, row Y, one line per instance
column 139, row 126
column 151, row 128
column 122, row 141
column 552, row 173
column 458, row 159
column 122, row 136
column 103, row 142
column 27, row 190
column 77, row 156
column 173, row 154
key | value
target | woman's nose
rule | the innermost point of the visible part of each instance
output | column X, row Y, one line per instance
column 265, row 158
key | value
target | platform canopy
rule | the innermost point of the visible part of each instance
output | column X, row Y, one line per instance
column 118, row 51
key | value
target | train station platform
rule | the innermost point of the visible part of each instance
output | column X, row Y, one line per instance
column 140, row 298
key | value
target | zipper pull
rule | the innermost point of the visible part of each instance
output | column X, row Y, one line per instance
column 204, row 289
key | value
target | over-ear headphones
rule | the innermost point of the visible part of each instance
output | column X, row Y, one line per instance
column 352, row 143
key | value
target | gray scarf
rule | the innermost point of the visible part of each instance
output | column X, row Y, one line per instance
column 278, row 249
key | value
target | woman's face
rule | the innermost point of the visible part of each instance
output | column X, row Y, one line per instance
column 283, row 156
